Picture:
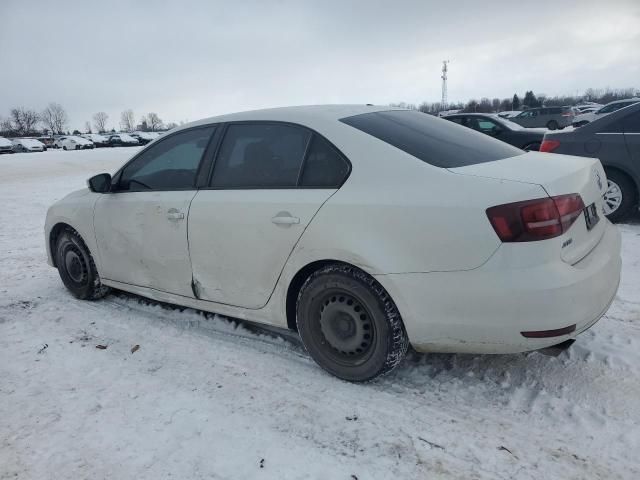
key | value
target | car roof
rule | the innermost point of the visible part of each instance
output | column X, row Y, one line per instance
column 492, row 115
column 634, row 99
column 304, row 114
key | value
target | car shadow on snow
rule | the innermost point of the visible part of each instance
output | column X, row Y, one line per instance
column 419, row 371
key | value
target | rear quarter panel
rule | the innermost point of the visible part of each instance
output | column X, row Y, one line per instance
column 398, row 214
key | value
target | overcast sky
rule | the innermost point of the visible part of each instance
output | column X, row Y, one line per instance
column 187, row 60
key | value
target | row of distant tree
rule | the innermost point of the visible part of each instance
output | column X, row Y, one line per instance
column 530, row 100
column 53, row 119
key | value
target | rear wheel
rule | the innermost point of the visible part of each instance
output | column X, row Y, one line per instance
column 349, row 324
column 621, row 196
column 77, row 268
column 552, row 125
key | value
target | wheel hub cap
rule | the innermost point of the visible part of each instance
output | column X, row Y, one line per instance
column 612, row 198
column 74, row 266
column 345, row 325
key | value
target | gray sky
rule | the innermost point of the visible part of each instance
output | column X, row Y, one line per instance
column 187, row 60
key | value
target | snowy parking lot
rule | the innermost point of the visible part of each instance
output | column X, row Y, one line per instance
column 126, row 388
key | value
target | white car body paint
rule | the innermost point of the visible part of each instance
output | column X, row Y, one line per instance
column 73, row 142
column 420, row 230
column 29, row 144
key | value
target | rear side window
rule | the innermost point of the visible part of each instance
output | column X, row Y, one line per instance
column 324, row 166
column 435, row 141
column 260, row 156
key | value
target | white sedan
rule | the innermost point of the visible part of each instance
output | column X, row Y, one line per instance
column 364, row 228
column 27, row 145
column 73, row 142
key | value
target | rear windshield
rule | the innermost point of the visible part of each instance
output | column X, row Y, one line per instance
column 433, row 140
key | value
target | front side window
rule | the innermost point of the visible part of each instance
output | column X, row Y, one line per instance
column 168, row 165
column 435, row 141
column 260, row 155
column 485, row 125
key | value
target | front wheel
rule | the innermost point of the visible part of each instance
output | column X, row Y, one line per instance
column 552, row 125
column 349, row 324
column 620, row 197
column 77, row 268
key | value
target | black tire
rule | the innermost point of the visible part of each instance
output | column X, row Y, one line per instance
column 629, row 195
column 77, row 268
column 64, row 147
column 349, row 324
column 552, row 125
column 532, row 147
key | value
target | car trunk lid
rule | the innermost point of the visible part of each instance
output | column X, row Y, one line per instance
column 558, row 175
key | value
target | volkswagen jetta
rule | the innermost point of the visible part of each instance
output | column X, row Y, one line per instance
column 364, row 228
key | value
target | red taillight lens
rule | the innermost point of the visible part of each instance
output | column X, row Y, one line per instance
column 549, row 145
column 537, row 219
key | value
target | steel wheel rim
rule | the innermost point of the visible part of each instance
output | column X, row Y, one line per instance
column 75, row 265
column 612, row 197
column 345, row 328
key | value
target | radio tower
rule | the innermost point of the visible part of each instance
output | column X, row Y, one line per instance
column 444, row 85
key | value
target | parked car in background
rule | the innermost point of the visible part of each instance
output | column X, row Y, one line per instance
column 615, row 140
column 587, row 117
column 97, row 139
column 122, row 140
column 46, row 141
column 501, row 128
column 5, row 145
column 73, row 142
column 552, row 118
column 144, row 137
column 588, row 106
column 362, row 228
column 509, row 113
column 27, row 145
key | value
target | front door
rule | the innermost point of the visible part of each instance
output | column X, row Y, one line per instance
column 141, row 226
column 268, row 182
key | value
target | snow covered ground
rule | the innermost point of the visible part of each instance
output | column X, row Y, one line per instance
column 203, row 397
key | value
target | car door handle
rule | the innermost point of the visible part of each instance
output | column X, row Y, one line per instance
column 175, row 215
column 285, row 218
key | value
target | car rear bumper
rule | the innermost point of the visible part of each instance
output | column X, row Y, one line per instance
column 485, row 310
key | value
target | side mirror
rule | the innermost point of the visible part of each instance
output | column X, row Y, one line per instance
column 100, row 183
column 495, row 131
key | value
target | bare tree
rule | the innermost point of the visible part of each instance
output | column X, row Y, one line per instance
column 5, row 127
column 153, row 122
column 54, row 117
column 87, row 127
column 127, row 121
column 23, row 121
column 100, row 121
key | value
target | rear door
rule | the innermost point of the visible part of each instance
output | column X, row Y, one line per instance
column 141, row 227
column 268, row 181
column 632, row 140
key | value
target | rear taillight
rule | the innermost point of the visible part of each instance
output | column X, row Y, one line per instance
column 537, row 219
column 549, row 145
